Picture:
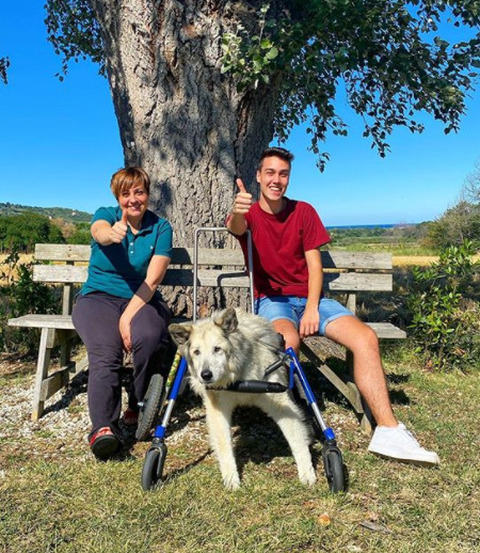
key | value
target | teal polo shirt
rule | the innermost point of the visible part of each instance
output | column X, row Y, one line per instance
column 120, row 269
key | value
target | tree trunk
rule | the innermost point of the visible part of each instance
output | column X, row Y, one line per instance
column 180, row 119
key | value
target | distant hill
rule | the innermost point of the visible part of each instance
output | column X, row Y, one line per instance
column 65, row 213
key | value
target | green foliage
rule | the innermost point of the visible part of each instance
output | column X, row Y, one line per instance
column 74, row 32
column 445, row 309
column 21, row 232
column 387, row 54
column 21, row 295
column 396, row 239
column 462, row 221
column 70, row 215
column 459, row 223
column 252, row 60
column 81, row 235
column 4, row 65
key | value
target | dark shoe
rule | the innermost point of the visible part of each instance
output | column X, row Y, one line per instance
column 104, row 443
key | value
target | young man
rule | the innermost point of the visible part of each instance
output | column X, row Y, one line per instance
column 288, row 277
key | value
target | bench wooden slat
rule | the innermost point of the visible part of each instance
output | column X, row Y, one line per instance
column 335, row 282
column 219, row 256
column 388, row 331
column 62, row 252
column 206, row 277
column 357, row 260
column 63, row 322
column 356, row 282
column 69, row 274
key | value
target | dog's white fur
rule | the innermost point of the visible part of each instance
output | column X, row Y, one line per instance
column 231, row 346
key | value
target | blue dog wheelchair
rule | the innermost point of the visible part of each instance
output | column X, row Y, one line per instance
column 160, row 399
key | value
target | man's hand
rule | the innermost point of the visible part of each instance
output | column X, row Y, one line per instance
column 119, row 229
column 309, row 324
column 243, row 200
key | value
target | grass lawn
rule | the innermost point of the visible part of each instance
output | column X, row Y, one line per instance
column 65, row 501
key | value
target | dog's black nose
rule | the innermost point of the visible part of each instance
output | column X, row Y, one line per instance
column 206, row 375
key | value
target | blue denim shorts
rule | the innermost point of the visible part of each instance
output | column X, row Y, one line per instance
column 292, row 308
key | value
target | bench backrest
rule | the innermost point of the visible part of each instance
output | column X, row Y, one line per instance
column 345, row 272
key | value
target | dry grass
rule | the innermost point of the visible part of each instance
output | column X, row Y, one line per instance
column 421, row 260
column 7, row 271
column 66, row 502
column 409, row 260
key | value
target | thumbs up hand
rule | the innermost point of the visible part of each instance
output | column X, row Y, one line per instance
column 119, row 229
column 243, row 200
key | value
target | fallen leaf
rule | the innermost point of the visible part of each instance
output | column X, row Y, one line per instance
column 324, row 519
column 375, row 527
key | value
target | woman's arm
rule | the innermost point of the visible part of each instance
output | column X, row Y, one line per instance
column 106, row 234
column 156, row 271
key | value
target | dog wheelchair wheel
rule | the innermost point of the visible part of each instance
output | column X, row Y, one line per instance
column 150, row 407
column 334, row 468
column 153, row 466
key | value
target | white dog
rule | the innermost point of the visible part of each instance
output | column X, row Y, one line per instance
column 230, row 347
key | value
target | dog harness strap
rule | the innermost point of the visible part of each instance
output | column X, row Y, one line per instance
column 254, row 387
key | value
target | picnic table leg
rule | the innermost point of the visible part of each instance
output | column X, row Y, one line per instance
column 47, row 341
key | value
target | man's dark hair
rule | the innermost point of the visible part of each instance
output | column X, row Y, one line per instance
column 282, row 153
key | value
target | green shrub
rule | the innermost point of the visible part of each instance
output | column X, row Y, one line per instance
column 445, row 311
column 19, row 296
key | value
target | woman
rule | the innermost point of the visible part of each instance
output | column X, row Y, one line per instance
column 119, row 308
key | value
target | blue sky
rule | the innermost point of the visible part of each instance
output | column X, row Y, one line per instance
column 59, row 144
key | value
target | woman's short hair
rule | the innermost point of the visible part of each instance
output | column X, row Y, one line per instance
column 125, row 178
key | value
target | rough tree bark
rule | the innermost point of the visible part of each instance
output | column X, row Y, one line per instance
column 179, row 117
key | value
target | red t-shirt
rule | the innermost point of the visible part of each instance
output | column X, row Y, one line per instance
column 279, row 245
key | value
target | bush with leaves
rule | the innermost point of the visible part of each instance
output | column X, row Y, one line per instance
column 21, row 295
column 445, row 310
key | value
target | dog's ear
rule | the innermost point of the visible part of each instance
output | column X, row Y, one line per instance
column 180, row 333
column 227, row 320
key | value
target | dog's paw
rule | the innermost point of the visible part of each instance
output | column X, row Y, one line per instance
column 308, row 477
column 231, row 482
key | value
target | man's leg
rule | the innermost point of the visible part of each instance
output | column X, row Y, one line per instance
column 289, row 332
column 281, row 312
column 368, row 372
column 391, row 438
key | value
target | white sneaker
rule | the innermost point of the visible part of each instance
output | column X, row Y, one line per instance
column 398, row 443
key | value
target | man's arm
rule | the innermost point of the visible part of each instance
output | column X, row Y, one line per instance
column 236, row 222
column 310, row 322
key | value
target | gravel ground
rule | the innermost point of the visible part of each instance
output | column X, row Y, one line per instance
column 61, row 433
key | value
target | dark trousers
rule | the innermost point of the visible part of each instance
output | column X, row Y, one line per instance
column 96, row 318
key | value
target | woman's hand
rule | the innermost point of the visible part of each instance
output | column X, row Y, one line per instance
column 106, row 234
column 124, row 326
column 118, row 230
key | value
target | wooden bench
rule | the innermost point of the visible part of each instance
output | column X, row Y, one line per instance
column 66, row 265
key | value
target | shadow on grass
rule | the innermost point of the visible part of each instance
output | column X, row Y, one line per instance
column 171, row 476
column 259, row 440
